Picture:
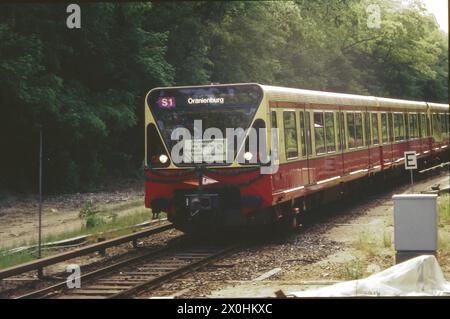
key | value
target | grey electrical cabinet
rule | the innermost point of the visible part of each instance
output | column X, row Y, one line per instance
column 415, row 225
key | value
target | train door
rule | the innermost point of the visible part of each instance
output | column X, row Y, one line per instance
column 376, row 153
column 390, row 157
column 341, row 138
column 436, row 133
column 305, row 136
column 367, row 135
column 308, row 143
column 430, row 132
column 355, row 157
column 385, row 147
column 420, row 132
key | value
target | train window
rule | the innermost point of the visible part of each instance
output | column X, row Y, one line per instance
column 402, row 126
column 308, row 132
column 319, row 133
column 443, row 124
column 419, row 125
column 422, row 129
column 384, row 128
column 397, row 126
column 423, row 125
column 415, row 125
column 436, row 126
column 390, row 127
column 406, row 119
column 358, row 129
column 433, row 123
column 274, row 119
column 303, row 132
column 444, row 128
column 403, row 133
column 330, row 136
column 446, row 131
column 261, row 139
column 155, row 148
column 405, row 126
column 410, row 125
column 447, row 122
column 339, row 129
column 351, row 130
column 375, row 128
column 290, row 135
column 367, row 128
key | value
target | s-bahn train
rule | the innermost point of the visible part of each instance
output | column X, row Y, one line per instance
column 207, row 168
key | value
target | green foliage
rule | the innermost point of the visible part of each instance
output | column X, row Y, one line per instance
column 444, row 209
column 90, row 214
column 86, row 86
column 117, row 226
column 352, row 270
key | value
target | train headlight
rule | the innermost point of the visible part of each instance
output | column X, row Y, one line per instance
column 248, row 156
column 163, row 158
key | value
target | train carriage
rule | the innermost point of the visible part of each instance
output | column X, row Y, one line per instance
column 207, row 176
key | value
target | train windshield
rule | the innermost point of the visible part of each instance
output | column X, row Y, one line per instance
column 205, row 115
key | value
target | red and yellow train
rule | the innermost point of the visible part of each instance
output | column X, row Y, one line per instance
column 325, row 142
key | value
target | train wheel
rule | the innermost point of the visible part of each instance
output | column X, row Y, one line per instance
column 295, row 223
column 289, row 222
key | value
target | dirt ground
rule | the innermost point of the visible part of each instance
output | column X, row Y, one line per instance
column 355, row 242
column 363, row 243
column 60, row 213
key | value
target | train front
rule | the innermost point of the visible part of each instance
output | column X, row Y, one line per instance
column 207, row 156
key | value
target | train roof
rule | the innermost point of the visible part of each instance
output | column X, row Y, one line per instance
column 438, row 107
column 283, row 94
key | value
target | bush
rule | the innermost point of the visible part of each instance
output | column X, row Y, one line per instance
column 89, row 213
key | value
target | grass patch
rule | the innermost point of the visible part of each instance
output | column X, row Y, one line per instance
column 366, row 243
column 444, row 240
column 109, row 225
column 113, row 222
column 137, row 203
column 352, row 270
column 444, row 209
column 15, row 259
column 20, row 258
column 387, row 238
column 444, row 222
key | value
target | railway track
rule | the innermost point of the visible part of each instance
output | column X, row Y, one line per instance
column 129, row 277
column 101, row 246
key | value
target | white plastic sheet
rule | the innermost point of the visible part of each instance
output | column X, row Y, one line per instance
column 420, row 276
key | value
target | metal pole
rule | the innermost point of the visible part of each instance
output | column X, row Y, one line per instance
column 40, row 193
column 412, row 182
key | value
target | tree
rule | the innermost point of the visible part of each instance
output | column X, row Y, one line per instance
column 87, row 86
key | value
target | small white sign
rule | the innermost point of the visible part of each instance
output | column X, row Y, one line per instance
column 205, row 150
column 410, row 160
column 208, row 180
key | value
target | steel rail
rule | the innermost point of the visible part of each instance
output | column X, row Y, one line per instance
column 100, row 246
column 97, row 273
column 155, row 282
column 59, row 289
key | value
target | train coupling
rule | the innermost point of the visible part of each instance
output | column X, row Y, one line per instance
column 196, row 203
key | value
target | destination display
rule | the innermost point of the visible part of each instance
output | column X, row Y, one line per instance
column 205, row 96
column 205, row 150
